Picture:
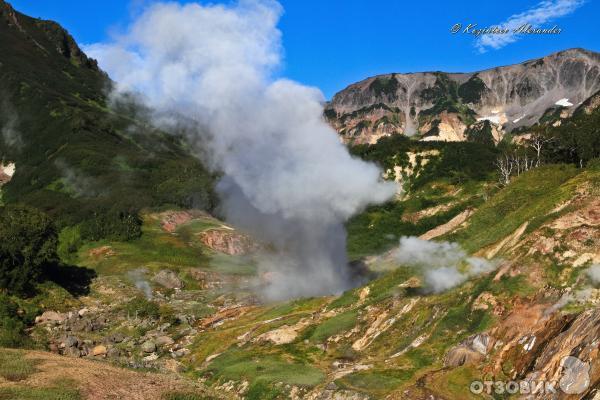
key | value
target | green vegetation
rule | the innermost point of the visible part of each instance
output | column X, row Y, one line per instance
column 480, row 133
column 184, row 396
column 532, row 194
column 28, row 243
column 458, row 161
column 384, row 85
column 334, row 325
column 14, row 366
column 472, row 90
column 79, row 161
column 58, row 392
column 142, row 308
column 270, row 368
column 380, row 227
column 378, row 382
column 12, row 324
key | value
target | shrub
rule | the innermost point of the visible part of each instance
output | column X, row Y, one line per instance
column 28, row 242
column 142, row 308
column 12, row 326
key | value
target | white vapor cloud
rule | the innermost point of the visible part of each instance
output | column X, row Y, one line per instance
column 444, row 264
column 287, row 179
column 593, row 272
column 9, row 133
column 543, row 12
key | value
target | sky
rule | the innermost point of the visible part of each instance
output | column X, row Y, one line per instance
column 333, row 43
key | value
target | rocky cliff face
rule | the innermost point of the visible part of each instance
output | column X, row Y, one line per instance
column 444, row 106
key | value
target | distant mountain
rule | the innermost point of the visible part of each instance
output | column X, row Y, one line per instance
column 453, row 106
column 67, row 151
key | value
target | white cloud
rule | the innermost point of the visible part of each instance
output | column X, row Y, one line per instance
column 544, row 12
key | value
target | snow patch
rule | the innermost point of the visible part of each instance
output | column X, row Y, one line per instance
column 564, row 102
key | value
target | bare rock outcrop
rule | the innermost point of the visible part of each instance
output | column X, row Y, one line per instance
column 228, row 241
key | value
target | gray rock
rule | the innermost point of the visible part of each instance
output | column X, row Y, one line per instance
column 164, row 341
column 113, row 352
column 71, row 341
column 168, row 279
column 72, row 352
column 116, row 337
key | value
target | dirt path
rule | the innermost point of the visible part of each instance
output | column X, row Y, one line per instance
column 99, row 381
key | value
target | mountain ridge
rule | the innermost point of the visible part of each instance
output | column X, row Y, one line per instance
column 442, row 106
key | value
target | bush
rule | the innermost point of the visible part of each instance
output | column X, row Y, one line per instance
column 28, row 242
column 114, row 225
column 142, row 308
column 12, row 326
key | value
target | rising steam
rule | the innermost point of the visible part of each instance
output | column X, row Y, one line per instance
column 287, row 178
column 444, row 264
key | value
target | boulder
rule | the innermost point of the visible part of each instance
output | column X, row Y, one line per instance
column 99, row 351
column 148, row 346
column 116, row 337
column 72, row 352
column 71, row 341
column 228, row 242
column 471, row 351
column 50, row 316
column 113, row 352
column 164, row 341
column 168, row 279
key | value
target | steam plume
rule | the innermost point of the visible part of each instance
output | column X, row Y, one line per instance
column 444, row 264
column 138, row 277
column 9, row 133
column 287, row 178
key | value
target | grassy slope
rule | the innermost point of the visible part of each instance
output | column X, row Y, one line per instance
column 74, row 156
column 435, row 322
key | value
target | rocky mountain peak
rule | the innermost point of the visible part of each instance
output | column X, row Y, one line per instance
column 442, row 106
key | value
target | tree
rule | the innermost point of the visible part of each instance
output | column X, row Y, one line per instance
column 537, row 141
column 28, row 242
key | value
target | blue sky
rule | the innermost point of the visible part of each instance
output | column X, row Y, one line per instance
column 332, row 43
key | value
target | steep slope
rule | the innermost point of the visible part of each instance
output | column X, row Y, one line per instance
column 443, row 106
column 75, row 157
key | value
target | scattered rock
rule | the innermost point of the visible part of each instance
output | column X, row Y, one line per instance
column 151, row 357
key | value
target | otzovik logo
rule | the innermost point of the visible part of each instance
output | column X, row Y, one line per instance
column 574, row 379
